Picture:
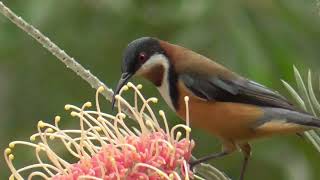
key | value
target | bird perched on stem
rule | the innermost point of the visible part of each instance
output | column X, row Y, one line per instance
column 234, row 109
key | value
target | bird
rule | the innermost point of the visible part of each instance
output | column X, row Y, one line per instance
column 234, row 109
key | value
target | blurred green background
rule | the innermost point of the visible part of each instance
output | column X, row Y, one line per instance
column 258, row 39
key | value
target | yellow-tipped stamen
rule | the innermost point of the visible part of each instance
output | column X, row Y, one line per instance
column 135, row 114
column 57, row 119
column 123, row 125
column 136, row 101
column 99, row 90
column 67, row 107
column 101, row 127
column 32, row 138
column 117, row 97
column 130, row 85
column 53, row 156
column 24, row 143
column 8, row 158
column 179, row 134
column 150, row 124
column 146, row 105
column 49, row 130
column 7, row 151
column 108, row 132
column 40, row 124
column 100, row 121
column 124, row 88
column 63, row 138
column 87, row 104
column 139, row 86
column 162, row 114
column 186, row 100
column 119, row 117
column 43, row 135
column 150, row 111
column 11, row 145
column 91, row 127
column 109, row 129
column 187, row 129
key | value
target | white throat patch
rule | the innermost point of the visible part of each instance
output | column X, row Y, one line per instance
column 160, row 59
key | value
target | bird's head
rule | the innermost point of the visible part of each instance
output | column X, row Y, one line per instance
column 144, row 57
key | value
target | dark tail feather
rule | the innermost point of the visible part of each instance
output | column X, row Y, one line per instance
column 292, row 117
column 311, row 121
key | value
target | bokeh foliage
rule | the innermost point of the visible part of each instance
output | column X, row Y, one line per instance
column 258, row 39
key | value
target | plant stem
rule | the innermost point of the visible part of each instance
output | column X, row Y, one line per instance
column 70, row 62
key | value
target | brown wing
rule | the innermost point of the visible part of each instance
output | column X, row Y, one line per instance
column 217, row 88
column 212, row 81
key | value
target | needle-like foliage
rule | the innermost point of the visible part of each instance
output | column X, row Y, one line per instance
column 307, row 100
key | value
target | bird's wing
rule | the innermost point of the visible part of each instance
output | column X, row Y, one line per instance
column 217, row 88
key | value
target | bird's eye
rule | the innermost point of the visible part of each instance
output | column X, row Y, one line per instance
column 142, row 57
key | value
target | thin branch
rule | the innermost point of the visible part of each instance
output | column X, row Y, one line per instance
column 56, row 51
column 205, row 170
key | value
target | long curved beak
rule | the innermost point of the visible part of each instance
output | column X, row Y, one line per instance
column 123, row 80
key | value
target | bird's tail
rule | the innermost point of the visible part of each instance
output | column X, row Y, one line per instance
column 309, row 121
column 294, row 117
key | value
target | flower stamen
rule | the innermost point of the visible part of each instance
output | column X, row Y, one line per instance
column 106, row 147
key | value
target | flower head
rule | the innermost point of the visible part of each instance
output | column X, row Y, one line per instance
column 106, row 148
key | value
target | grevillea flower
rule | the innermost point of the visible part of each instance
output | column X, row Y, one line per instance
column 106, row 148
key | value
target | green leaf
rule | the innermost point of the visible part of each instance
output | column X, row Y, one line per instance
column 313, row 98
column 303, row 91
column 294, row 94
column 307, row 100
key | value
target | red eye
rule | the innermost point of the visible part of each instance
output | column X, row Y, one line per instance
column 142, row 57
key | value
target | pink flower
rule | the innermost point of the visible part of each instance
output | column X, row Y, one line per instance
column 105, row 148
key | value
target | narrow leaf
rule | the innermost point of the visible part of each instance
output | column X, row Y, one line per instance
column 311, row 93
column 294, row 94
column 303, row 90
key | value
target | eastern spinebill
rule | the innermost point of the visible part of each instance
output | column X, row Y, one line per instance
column 234, row 109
